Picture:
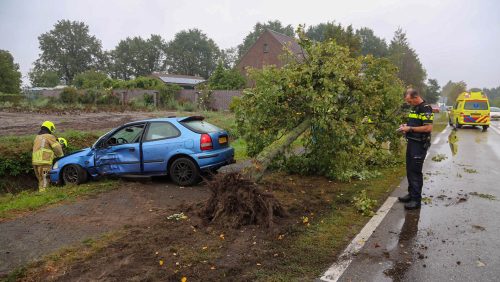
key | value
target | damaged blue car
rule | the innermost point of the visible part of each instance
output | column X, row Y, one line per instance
column 182, row 148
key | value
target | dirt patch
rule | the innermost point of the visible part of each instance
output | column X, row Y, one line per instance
column 22, row 123
column 169, row 249
column 32, row 236
column 236, row 201
column 16, row 184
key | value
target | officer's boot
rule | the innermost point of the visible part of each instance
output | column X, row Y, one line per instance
column 412, row 205
column 405, row 199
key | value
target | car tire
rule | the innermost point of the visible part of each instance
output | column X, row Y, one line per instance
column 184, row 172
column 74, row 174
column 457, row 124
column 485, row 127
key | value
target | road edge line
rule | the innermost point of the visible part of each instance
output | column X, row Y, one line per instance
column 494, row 129
column 344, row 260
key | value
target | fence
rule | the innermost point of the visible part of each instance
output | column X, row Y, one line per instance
column 220, row 98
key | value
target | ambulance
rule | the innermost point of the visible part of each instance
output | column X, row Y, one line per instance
column 471, row 108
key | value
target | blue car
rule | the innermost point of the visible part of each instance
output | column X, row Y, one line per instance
column 182, row 148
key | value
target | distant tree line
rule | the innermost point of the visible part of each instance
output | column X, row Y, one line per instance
column 70, row 49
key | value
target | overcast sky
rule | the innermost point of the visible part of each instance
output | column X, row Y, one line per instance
column 456, row 40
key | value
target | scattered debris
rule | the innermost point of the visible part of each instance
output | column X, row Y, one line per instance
column 439, row 157
column 480, row 263
column 458, row 262
column 427, row 200
column 177, row 216
column 478, row 227
column 484, row 196
column 470, row 170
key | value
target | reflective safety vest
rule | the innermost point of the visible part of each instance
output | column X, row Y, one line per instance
column 420, row 115
column 45, row 148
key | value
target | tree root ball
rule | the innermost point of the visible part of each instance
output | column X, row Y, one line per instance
column 237, row 201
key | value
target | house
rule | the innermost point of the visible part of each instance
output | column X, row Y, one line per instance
column 184, row 81
column 269, row 50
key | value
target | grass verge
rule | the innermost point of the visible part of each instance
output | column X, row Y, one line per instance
column 66, row 256
column 310, row 250
column 440, row 122
column 12, row 205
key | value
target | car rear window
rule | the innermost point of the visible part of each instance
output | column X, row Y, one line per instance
column 476, row 105
column 200, row 126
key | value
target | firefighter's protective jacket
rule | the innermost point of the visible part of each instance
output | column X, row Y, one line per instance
column 45, row 148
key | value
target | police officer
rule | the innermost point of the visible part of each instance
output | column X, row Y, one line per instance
column 418, row 133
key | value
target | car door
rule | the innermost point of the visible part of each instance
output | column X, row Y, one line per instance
column 120, row 153
column 160, row 138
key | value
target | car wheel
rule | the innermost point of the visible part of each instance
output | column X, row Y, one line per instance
column 485, row 127
column 458, row 125
column 184, row 172
column 74, row 174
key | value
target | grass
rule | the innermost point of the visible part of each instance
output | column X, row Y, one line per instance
column 65, row 256
column 240, row 149
column 311, row 250
column 440, row 122
column 11, row 205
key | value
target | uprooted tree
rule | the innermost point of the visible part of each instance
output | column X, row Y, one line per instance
column 343, row 108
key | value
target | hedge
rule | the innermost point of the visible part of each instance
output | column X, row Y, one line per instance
column 15, row 156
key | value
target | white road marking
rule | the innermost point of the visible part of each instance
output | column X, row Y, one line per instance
column 337, row 269
column 438, row 137
column 496, row 130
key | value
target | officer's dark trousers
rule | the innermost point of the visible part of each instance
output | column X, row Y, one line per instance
column 415, row 156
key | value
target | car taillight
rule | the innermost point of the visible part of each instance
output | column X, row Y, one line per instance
column 206, row 142
column 461, row 114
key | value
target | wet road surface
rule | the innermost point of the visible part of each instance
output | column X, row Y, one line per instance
column 456, row 234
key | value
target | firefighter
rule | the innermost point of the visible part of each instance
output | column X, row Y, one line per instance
column 418, row 133
column 45, row 148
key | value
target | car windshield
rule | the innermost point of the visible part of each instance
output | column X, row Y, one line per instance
column 101, row 138
column 200, row 126
column 476, row 105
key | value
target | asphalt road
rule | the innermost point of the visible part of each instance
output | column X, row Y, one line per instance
column 456, row 234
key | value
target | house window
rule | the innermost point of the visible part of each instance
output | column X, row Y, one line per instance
column 266, row 48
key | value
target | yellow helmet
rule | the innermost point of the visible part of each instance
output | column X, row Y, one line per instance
column 63, row 142
column 49, row 125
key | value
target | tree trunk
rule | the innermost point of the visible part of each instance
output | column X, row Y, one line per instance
column 264, row 159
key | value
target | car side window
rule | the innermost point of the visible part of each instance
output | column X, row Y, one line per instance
column 127, row 135
column 161, row 130
column 456, row 105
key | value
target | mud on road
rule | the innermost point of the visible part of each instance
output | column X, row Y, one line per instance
column 23, row 123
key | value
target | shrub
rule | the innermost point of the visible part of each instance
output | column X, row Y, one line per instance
column 69, row 95
column 364, row 204
column 13, row 98
column 234, row 104
column 15, row 154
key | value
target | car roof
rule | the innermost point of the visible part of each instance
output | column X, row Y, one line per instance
column 168, row 119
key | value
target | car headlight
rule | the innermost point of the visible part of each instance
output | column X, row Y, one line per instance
column 56, row 165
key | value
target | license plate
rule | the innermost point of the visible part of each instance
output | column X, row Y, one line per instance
column 222, row 140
